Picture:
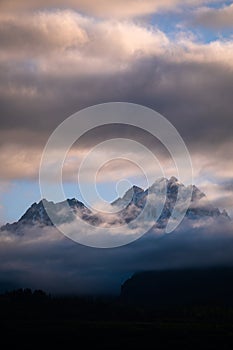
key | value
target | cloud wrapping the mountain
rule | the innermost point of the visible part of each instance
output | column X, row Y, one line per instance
column 43, row 258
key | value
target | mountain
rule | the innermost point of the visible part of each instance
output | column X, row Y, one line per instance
column 135, row 198
column 135, row 195
column 196, row 286
column 130, row 206
column 37, row 215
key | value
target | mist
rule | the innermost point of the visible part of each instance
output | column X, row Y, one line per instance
column 43, row 258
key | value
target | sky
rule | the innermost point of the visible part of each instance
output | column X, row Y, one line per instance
column 58, row 57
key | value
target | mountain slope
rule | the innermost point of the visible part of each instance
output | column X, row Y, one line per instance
column 198, row 208
column 37, row 215
column 130, row 206
column 196, row 286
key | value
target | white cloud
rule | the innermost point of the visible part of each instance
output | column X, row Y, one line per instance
column 218, row 18
column 104, row 8
column 59, row 59
column 19, row 162
column 44, row 42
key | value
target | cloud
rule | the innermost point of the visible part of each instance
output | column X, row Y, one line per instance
column 75, row 37
column 42, row 32
column 219, row 194
column 215, row 18
column 54, row 63
column 19, row 164
column 17, row 161
column 43, row 41
column 49, row 77
column 103, row 8
column 45, row 259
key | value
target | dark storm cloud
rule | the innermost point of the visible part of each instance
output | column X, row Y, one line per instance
column 54, row 63
column 43, row 259
column 196, row 98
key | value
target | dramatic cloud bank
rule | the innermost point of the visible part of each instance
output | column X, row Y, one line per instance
column 55, row 63
column 43, row 258
column 57, row 57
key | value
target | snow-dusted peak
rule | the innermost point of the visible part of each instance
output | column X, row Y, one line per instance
column 59, row 212
column 172, row 180
column 197, row 194
column 132, row 195
column 166, row 191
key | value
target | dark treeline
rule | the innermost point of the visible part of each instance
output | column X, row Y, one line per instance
column 199, row 286
column 34, row 317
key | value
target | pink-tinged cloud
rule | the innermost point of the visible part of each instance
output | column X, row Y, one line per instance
column 103, row 8
column 219, row 18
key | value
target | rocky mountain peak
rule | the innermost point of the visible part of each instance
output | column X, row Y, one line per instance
column 130, row 205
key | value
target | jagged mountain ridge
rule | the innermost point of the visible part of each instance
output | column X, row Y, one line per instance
column 199, row 206
column 130, row 206
column 37, row 214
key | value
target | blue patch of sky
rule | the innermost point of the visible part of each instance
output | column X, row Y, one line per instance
column 22, row 194
column 174, row 22
column 17, row 199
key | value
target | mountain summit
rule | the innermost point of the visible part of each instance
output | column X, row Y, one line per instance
column 130, row 206
column 199, row 206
